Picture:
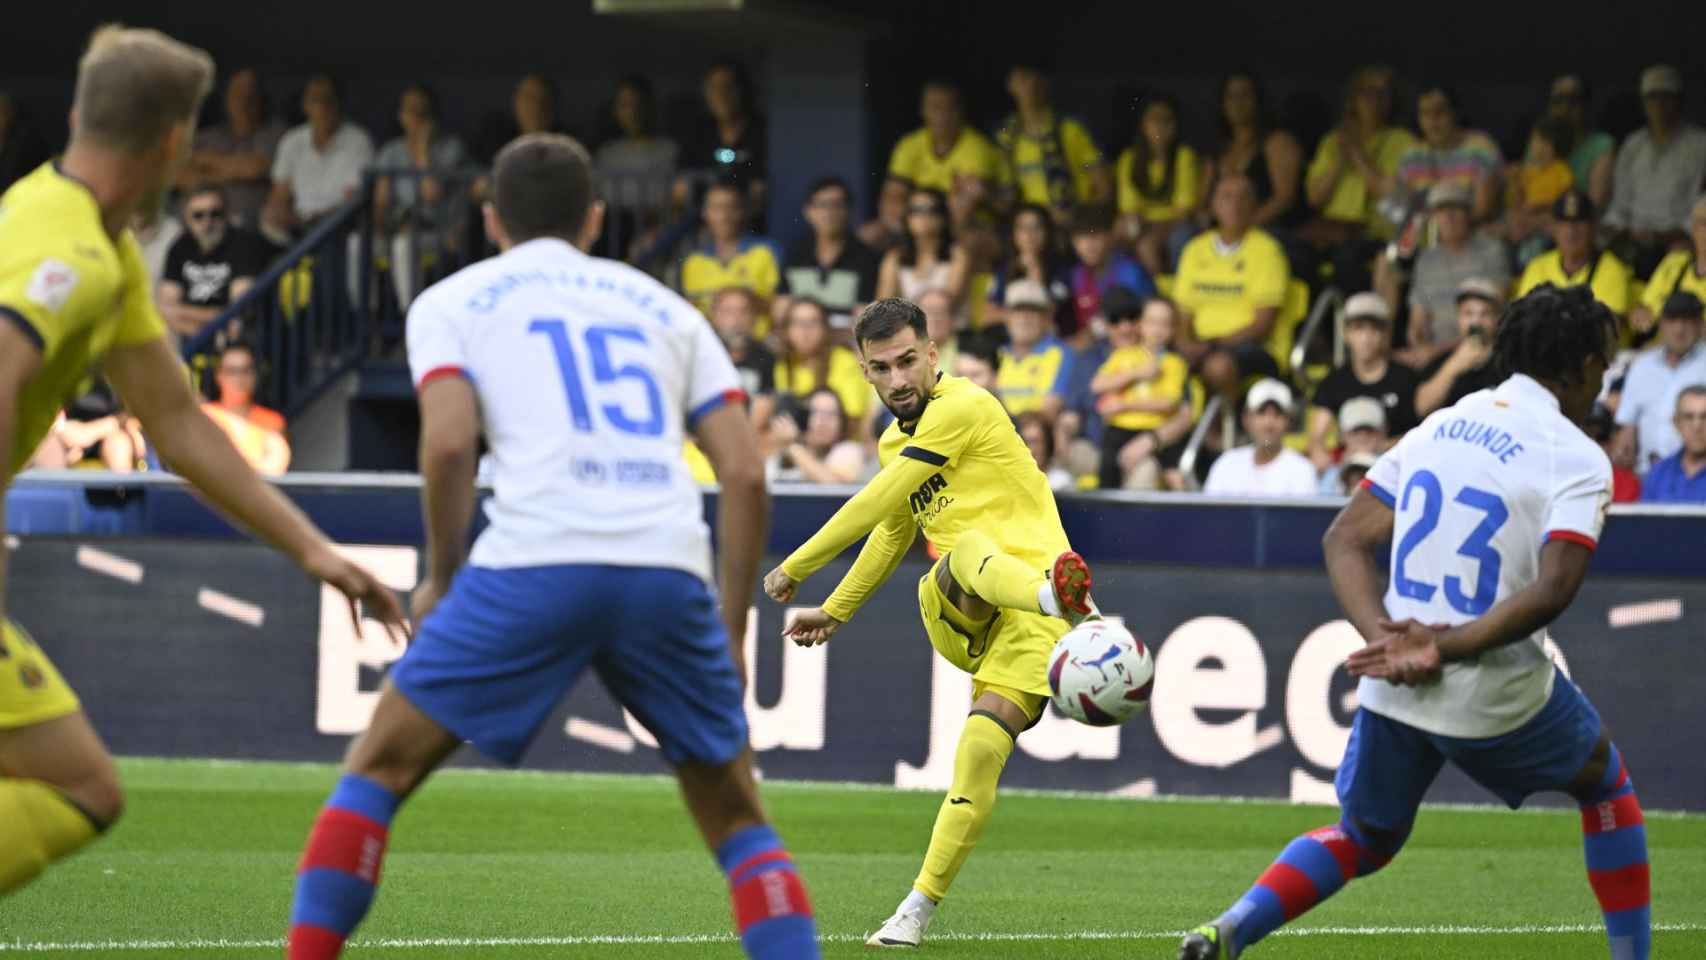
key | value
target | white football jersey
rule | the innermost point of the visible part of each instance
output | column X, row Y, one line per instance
column 588, row 373
column 1477, row 489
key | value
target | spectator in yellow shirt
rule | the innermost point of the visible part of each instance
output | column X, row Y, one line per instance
column 1160, row 182
column 1138, row 389
column 1051, row 160
column 1536, row 184
column 808, row 360
column 1353, row 168
column 730, row 256
column 1682, row 271
column 946, row 153
column 1229, row 288
column 1575, row 261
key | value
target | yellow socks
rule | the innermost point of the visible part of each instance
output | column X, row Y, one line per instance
column 996, row 578
column 985, row 745
column 38, row 825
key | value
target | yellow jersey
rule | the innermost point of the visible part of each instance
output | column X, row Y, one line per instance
column 915, row 161
column 1167, row 384
column 1351, row 200
column 1023, row 384
column 844, row 376
column 1187, row 180
column 1054, row 169
column 1608, row 277
column 753, row 267
column 72, row 289
column 1676, row 273
column 961, row 466
column 1222, row 289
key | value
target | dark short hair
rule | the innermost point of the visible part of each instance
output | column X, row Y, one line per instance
column 1091, row 218
column 203, row 188
column 1032, row 418
column 726, row 183
column 946, row 84
column 828, row 182
column 542, row 186
column 982, row 348
column 885, row 318
column 1551, row 332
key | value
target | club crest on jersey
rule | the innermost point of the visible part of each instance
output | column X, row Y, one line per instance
column 52, row 284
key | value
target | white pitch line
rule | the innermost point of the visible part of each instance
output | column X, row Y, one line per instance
column 109, row 564
column 416, row 943
column 1640, row 614
column 226, row 605
column 599, row 735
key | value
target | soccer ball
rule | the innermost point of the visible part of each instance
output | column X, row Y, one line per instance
column 1100, row 674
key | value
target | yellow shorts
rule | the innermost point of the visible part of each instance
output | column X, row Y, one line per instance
column 1009, row 651
column 31, row 689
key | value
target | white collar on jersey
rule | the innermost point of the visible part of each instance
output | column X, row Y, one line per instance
column 1525, row 389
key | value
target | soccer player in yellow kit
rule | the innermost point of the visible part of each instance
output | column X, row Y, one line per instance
column 74, row 294
column 1006, row 589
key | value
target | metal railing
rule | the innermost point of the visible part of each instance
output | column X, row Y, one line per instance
column 1199, row 435
column 1329, row 304
column 298, row 315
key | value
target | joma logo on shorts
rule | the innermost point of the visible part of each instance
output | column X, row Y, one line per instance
column 927, row 491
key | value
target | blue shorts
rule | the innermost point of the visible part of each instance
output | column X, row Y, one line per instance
column 1389, row 765
column 493, row 659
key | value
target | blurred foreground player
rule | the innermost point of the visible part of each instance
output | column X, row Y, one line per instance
column 1006, row 589
column 74, row 295
column 583, row 374
column 1493, row 508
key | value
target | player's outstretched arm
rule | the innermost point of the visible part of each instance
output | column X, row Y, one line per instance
column 886, row 492
column 877, row 561
column 1352, row 549
column 154, row 387
column 449, row 458
column 743, row 513
column 20, row 358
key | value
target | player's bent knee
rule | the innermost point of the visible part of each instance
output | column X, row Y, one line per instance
column 1375, row 846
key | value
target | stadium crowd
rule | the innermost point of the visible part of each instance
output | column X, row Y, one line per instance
column 1107, row 296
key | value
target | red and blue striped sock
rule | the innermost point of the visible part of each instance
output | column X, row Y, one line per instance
column 1310, row 869
column 340, row 868
column 772, row 913
column 1614, row 843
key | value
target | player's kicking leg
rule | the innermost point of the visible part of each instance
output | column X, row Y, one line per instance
column 985, row 573
column 58, row 786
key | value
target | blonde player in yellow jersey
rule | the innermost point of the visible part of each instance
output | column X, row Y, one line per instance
column 1006, row 589
column 74, row 295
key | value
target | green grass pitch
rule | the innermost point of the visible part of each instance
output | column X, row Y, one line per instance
column 526, row 865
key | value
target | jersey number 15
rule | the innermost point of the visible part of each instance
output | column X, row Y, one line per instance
column 1477, row 547
column 604, row 372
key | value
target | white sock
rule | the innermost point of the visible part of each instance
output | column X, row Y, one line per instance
column 916, row 902
column 1046, row 599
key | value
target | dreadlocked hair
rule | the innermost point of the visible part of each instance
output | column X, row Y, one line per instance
column 1550, row 333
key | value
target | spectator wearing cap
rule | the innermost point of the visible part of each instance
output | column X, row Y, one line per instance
column 1362, row 428
column 1448, row 153
column 1468, row 367
column 1100, row 267
column 1458, row 253
column 1682, row 271
column 1052, row 160
column 1575, row 262
column 1036, row 368
column 1265, row 467
column 830, row 265
column 1370, row 375
column 1646, row 413
column 1659, row 172
column 1592, row 151
column 1139, row 389
column 1681, row 477
column 1229, row 288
